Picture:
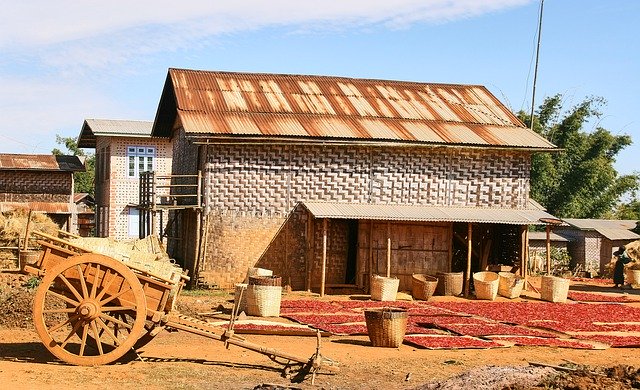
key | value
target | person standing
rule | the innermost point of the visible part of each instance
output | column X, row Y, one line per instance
column 618, row 271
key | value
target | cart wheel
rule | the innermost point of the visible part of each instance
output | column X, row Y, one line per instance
column 74, row 310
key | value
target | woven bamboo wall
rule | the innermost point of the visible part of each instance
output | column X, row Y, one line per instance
column 251, row 189
column 26, row 186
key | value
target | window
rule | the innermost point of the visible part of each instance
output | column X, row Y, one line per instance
column 134, row 222
column 140, row 159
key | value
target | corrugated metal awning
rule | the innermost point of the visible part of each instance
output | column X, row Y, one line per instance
column 618, row 234
column 43, row 207
column 542, row 236
column 387, row 212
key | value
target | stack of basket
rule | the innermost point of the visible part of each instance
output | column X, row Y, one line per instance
column 510, row 285
column 264, row 294
column 449, row 283
column 486, row 285
column 423, row 286
column 554, row 289
column 386, row 326
column 383, row 288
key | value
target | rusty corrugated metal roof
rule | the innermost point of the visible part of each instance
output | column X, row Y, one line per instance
column 226, row 104
column 542, row 236
column 43, row 207
column 387, row 212
column 91, row 128
column 618, row 234
column 40, row 162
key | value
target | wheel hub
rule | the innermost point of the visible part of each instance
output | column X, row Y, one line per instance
column 88, row 310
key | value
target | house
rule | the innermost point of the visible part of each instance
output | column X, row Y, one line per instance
column 538, row 248
column 42, row 183
column 85, row 209
column 124, row 150
column 593, row 241
column 361, row 176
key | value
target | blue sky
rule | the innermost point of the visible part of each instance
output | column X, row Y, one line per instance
column 64, row 61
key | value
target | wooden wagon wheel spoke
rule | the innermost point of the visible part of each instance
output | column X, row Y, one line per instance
column 96, row 337
column 106, row 315
column 115, row 321
column 108, row 331
column 71, row 288
column 106, row 288
column 83, row 343
column 94, row 287
column 83, row 282
column 111, row 298
column 64, row 298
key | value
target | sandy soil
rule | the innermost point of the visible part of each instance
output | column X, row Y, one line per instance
column 179, row 360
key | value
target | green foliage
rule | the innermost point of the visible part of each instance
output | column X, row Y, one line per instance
column 579, row 181
column 84, row 181
column 630, row 210
column 32, row 283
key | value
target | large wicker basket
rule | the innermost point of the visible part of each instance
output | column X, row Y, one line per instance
column 263, row 301
column 510, row 285
column 633, row 277
column 486, row 285
column 383, row 288
column 423, row 286
column 449, row 283
column 554, row 289
column 386, row 326
column 269, row 280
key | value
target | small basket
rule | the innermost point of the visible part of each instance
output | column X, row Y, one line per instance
column 383, row 288
column 486, row 285
column 28, row 257
column 423, row 286
column 386, row 326
column 263, row 301
column 265, row 280
column 449, row 283
column 510, row 285
column 241, row 296
column 554, row 289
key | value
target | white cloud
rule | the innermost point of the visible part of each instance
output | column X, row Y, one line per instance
column 61, row 31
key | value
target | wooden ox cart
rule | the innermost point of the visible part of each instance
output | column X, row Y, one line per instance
column 91, row 309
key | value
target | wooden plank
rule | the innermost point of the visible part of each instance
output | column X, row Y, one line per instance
column 469, row 253
column 324, row 257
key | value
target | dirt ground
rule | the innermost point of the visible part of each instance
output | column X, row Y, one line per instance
column 179, row 360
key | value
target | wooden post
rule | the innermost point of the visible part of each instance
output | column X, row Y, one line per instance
column 27, row 233
column 388, row 249
column 370, row 255
column 467, row 280
column 524, row 263
column 310, row 251
column 548, row 249
column 324, row 257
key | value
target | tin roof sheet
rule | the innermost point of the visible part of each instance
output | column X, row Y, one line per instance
column 542, row 236
column 617, row 234
column 41, row 162
column 43, row 207
column 596, row 224
column 226, row 104
column 91, row 128
column 425, row 213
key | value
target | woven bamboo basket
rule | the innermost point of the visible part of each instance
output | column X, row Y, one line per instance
column 423, row 286
column 263, row 301
column 554, row 289
column 486, row 285
column 510, row 285
column 633, row 277
column 449, row 283
column 265, row 280
column 383, row 288
column 240, row 297
column 386, row 326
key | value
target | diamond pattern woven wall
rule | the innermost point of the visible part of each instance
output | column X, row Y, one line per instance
column 250, row 187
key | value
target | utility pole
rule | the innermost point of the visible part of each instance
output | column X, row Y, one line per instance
column 535, row 72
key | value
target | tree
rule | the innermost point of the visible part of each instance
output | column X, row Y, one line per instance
column 579, row 181
column 630, row 210
column 84, row 181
